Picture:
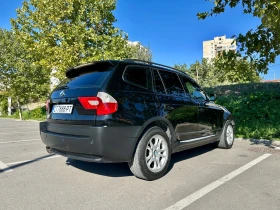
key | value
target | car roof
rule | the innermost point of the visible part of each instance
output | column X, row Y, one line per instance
column 152, row 65
column 157, row 66
column 113, row 63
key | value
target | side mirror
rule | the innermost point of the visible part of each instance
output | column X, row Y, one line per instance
column 213, row 97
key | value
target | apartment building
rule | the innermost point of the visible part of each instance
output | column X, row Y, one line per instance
column 220, row 43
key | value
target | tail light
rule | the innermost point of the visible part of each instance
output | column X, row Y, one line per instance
column 103, row 103
column 47, row 105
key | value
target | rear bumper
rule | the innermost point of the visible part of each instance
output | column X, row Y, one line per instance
column 87, row 158
column 92, row 144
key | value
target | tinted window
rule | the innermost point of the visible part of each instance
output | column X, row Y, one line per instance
column 172, row 83
column 137, row 75
column 95, row 78
column 159, row 88
column 193, row 89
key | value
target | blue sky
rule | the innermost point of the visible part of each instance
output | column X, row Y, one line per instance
column 170, row 28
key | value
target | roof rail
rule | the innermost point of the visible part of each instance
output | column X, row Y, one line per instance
column 150, row 62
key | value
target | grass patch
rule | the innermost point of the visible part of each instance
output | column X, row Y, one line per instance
column 255, row 106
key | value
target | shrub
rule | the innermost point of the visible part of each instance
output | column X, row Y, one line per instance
column 35, row 114
column 3, row 105
column 38, row 113
column 255, row 108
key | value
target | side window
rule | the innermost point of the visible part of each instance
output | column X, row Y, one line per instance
column 194, row 90
column 172, row 83
column 159, row 88
column 137, row 75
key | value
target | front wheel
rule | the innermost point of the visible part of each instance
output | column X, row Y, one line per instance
column 227, row 136
column 152, row 155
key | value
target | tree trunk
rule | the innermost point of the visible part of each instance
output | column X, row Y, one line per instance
column 19, row 109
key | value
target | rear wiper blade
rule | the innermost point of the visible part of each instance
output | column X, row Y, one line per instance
column 62, row 87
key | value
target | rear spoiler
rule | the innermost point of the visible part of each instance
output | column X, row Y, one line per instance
column 89, row 67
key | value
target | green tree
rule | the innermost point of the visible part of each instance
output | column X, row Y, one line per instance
column 20, row 78
column 262, row 42
column 184, row 68
column 203, row 72
column 58, row 34
column 235, row 70
column 181, row 67
column 139, row 51
column 221, row 70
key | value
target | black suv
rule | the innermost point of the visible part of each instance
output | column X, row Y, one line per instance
column 132, row 111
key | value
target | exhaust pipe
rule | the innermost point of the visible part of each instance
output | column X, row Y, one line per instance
column 49, row 150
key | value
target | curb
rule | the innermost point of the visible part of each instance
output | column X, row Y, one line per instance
column 6, row 118
column 28, row 120
column 18, row 120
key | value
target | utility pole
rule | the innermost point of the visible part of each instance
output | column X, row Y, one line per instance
column 9, row 106
column 196, row 72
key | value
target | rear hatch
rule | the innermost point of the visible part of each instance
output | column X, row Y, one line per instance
column 67, row 103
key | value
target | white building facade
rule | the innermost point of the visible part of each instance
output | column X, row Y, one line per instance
column 211, row 48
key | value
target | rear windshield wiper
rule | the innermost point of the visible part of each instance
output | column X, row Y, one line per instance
column 62, row 87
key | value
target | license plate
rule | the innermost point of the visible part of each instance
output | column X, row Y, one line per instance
column 63, row 109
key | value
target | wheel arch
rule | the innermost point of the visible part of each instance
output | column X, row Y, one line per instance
column 228, row 117
column 161, row 122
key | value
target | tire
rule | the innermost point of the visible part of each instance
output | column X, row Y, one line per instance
column 227, row 136
column 152, row 155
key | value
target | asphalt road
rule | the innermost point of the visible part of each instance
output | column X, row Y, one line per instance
column 198, row 179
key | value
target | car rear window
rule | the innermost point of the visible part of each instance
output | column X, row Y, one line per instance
column 95, row 78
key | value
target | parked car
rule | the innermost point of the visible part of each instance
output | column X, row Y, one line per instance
column 132, row 111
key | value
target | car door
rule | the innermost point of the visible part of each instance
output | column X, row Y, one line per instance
column 209, row 120
column 134, row 91
column 180, row 112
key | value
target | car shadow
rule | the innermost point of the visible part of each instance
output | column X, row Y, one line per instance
column 122, row 169
column 188, row 154
column 14, row 166
column 267, row 143
column 104, row 169
column 262, row 142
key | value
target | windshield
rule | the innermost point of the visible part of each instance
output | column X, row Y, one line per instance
column 91, row 79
